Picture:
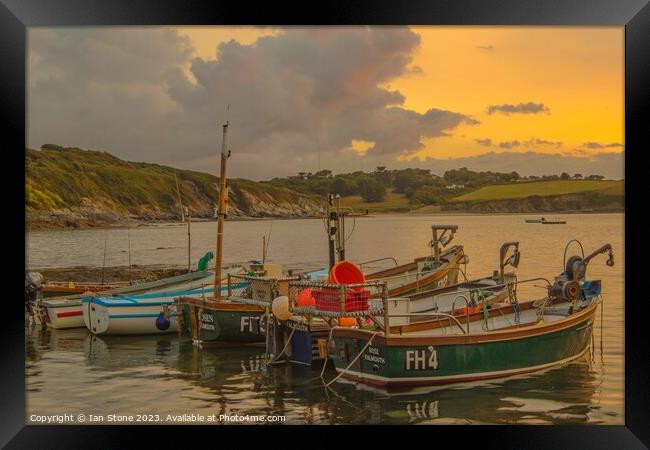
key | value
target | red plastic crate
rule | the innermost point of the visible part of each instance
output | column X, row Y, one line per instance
column 329, row 299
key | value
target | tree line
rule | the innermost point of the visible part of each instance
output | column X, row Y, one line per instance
column 419, row 185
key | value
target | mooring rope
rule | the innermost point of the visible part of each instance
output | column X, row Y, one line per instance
column 351, row 363
column 286, row 345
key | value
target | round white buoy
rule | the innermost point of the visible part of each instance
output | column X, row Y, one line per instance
column 280, row 308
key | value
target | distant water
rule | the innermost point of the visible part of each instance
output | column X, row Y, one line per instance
column 70, row 371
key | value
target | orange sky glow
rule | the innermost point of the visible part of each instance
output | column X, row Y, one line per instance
column 576, row 72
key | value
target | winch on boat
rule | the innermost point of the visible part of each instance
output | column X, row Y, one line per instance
column 569, row 284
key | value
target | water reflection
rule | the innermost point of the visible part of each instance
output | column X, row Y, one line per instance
column 71, row 371
column 231, row 380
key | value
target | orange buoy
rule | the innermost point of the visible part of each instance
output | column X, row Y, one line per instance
column 347, row 321
column 305, row 298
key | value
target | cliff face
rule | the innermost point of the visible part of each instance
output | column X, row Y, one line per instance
column 74, row 187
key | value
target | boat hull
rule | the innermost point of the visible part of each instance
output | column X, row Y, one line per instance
column 62, row 315
column 67, row 311
column 224, row 322
column 404, row 361
column 129, row 319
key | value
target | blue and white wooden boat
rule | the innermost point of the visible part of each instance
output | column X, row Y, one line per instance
column 66, row 311
column 147, row 313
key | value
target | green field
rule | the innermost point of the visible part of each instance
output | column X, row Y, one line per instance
column 542, row 189
column 392, row 202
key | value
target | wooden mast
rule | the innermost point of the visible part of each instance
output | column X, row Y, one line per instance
column 221, row 214
column 180, row 203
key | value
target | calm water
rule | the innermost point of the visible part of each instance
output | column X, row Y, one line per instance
column 70, row 371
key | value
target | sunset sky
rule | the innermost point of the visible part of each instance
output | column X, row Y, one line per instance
column 532, row 99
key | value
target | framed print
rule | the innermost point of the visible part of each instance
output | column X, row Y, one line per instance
column 356, row 214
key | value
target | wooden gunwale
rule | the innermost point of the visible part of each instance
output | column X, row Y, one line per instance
column 433, row 322
column 465, row 285
column 219, row 305
column 412, row 265
column 478, row 338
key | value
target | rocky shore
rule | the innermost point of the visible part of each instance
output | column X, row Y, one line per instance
column 83, row 274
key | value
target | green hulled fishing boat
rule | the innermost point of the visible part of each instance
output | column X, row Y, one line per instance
column 220, row 321
column 495, row 342
column 233, row 316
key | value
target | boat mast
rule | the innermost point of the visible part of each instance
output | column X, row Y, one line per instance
column 340, row 229
column 189, row 242
column 332, row 229
column 180, row 203
column 221, row 213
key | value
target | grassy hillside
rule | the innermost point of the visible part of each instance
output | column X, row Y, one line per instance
column 393, row 202
column 542, row 189
column 60, row 178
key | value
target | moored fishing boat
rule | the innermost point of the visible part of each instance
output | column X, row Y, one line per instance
column 429, row 272
column 299, row 338
column 224, row 316
column 494, row 343
column 66, row 312
column 490, row 289
column 545, row 221
column 152, row 312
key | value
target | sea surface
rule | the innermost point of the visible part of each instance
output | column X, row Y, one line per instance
column 159, row 379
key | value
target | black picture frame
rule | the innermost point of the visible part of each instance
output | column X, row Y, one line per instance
column 16, row 15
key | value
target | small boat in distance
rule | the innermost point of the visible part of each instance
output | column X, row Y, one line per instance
column 545, row 221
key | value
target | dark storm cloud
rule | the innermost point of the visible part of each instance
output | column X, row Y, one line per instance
column 487, row 142
column 509, row 144
column 127, row 91
column 530, row 143
column 610, row 165
column 520, row 108
column 597, row 145
column 537, row 142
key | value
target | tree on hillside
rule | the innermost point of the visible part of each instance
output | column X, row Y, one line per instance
column 577, row 176
column 343, row 186
column 565, row 176
column 595, row 177
column 428, row 195
column 323, row 173
column 408, row 180
column 371, row 190
column 382, row 176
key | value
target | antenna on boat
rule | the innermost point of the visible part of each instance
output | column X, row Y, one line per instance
column 221, row 212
